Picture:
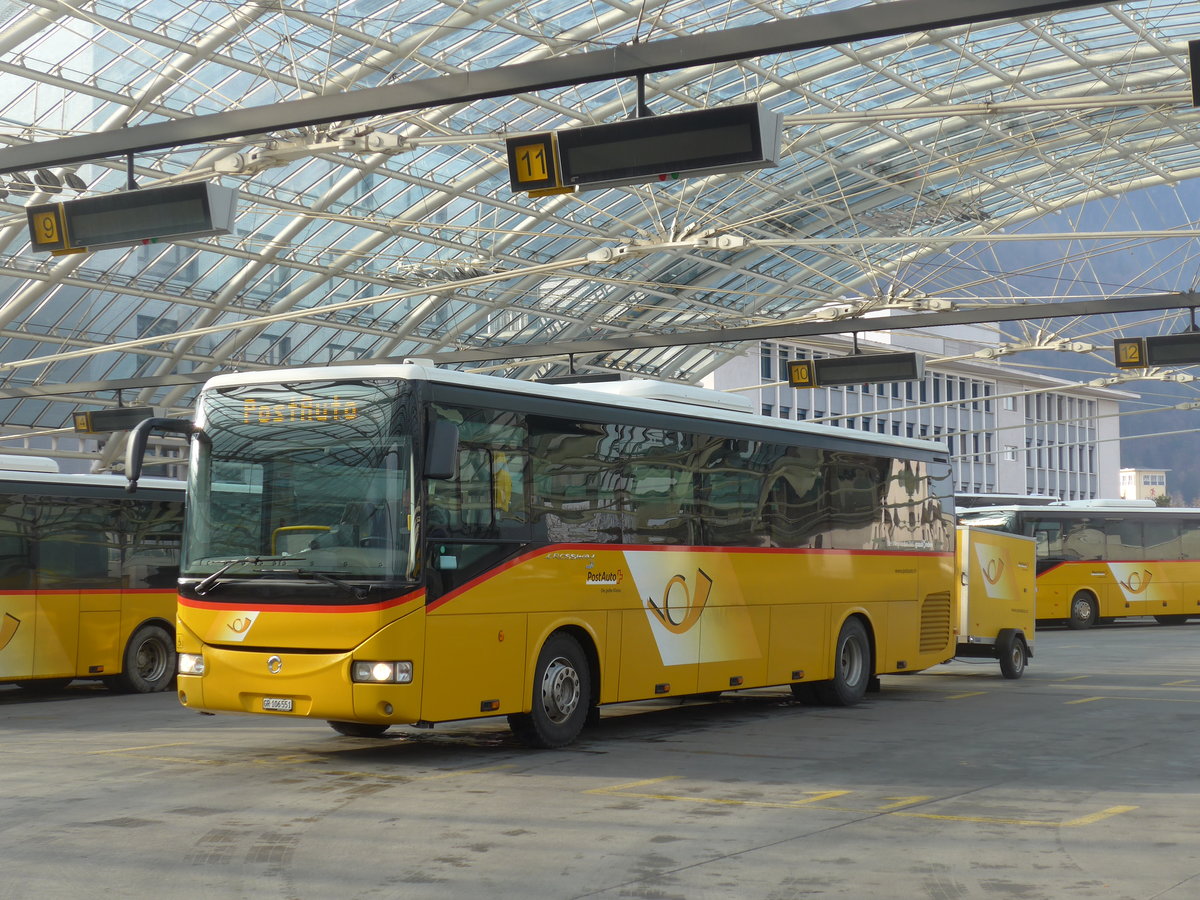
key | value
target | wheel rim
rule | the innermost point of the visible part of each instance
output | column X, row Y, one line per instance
column 560, row 690
column 1017, row 657
column 151, row 660
column 851, row 661
column 1082, row 609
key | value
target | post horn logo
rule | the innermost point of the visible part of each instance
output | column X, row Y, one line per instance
column 8, row 627
column 680, row 608
column 1137, row 582
column 994, row 570
column 240, row 625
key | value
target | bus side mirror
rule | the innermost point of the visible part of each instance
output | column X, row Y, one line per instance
column 441, row 452
column 139, row 437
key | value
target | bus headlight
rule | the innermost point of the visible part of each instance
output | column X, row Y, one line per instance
column 382, row 672
column 191, row 664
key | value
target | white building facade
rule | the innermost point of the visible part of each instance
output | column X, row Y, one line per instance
column 1144, row 484
column 1008, row 431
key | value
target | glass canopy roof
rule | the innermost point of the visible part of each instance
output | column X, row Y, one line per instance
column 398, row 235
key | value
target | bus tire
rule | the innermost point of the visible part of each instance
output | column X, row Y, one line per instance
column 851, row 667
column 1084, row 612
column 562, row 690
column 1013, row 655
column 359, row 729
column 148, row 665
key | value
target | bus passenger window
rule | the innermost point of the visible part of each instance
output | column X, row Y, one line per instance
column 1161, row 540
column 1189, row 539
column 796, row 503
column 1123, row 540
column 1048, row 535
column 1083, row 540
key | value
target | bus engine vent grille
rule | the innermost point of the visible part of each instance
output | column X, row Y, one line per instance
column 935, row 622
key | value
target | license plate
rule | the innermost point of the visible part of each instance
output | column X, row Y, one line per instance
column 279, row 704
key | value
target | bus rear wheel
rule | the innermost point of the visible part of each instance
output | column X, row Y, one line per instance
column 149, row 662
column 562, row 691
column 851, row 667
column 1083, row 611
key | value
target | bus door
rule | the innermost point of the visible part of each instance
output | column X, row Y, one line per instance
column 18, row 604
column 1070, row 555
column 151, row 532
column 1141, row 559
column 76, row 569
column 474, row 524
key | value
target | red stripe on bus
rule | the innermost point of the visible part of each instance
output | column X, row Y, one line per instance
column 592, row 549
column 295, row 607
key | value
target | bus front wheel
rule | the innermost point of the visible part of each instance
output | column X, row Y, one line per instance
column 851, row 667
column 1083, row 611
column 149, row 662
column 562, row 690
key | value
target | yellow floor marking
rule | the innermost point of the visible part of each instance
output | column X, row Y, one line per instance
column 1180, row 683
column 146, row 747
column 903, row 801
column 891, row 809
column 1086, row 700
column 1027, row 823
column 1073, row 678
column 965, row 696
column 622, row 790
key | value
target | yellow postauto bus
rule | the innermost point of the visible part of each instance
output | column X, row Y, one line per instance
column 88, row 576
column 1107, row 559
column 400, row 544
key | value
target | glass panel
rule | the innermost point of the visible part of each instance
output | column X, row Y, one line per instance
column 78, row 544
column 311, row 475
column 1162, row 539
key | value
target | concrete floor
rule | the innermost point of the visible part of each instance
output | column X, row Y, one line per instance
column 1081, row 779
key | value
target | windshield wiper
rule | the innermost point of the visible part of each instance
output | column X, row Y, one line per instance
column 360, row 593
column 205, row 585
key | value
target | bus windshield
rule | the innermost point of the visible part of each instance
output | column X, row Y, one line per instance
column 301, row 480
column 996, row 519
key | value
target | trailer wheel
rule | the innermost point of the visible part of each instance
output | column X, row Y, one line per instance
column 1083, row 611
column 1010, row 647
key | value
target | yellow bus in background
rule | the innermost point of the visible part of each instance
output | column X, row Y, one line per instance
column 88, row 576
column 1107, row 559
column 401, row 544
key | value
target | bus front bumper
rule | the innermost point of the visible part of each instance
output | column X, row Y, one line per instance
column 300, row 685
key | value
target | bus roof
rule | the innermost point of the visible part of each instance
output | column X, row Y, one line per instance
column 12, row 476
column 651, row 396
column 1082, row 507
